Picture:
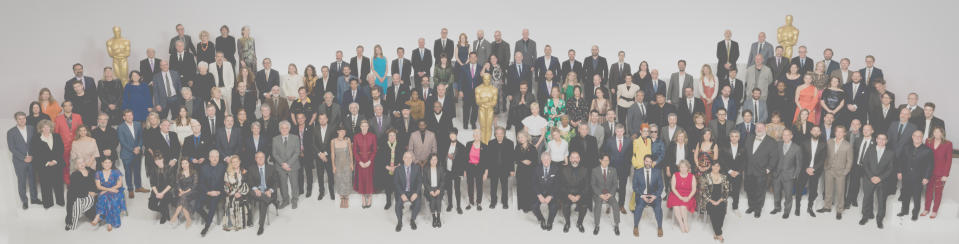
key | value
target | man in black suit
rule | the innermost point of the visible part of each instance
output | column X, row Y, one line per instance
column 336, row 68
column 183, row 62
column 407, row 185
column 547, row 62
column 595, row 65
column 323, row 133
column 89, row 86
column 930, row 122
column 519, row 72
column 545, row 188
column 805, row 63
column 917, row 115
column 899, row 131
column 442, row 46
column 654, row 86
column 167, row 144
column 727, row 53
column 857, row 102
column 499, row 156
column 877, row 177
column 619, row 70
column 733, row 155
column 689, row 106
column 914, row 169
column 256, row 141
column 211, row 121
column 619, row 147
column 546, row 87
column 270, row 124
column 359, row 64
column 351, row 121
column 855, row 177
column 870, row 73
column 228, row 138
column 574, row 185
column 500, row 49
column 778, row 64
column 571, row 65
column 422, row 61
column 266, row 78
column 469, row 80
column 263, row 181
column 814, row 157
column 736, row 88
column 440, row 121
column 827, row 60
column 181, row 36
column 402, row 67
column 760, row 162
column 398, row 93
column 148, row 66
column 585, row 145
column 445, row 101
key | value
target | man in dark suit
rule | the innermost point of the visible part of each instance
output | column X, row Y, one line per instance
column 737, row 90
column 545, row 188
column 547, row 62
column 266, row 78
column 784, row 172
column 883, row 115
column 183, row 62
column 519, row 72
column 827, row 60
column 574, row 185
column 857, row 102
column 571, row 65
column 422, row 61
column 899, row 131
column 441, row 95
column 648, row 187
column 263, row 180
column 761, row 159
column 19, row 138
column 166, row 86
column 256, row 141
column 689, row 106
column 619, row 147
column 380, row 122
column 595, row 65
column 917, row 115
column 166, row 144
column 727, row 53
column 498, row 155
column 778, row 64
column 407, row 185
column 270, row 124
column 878, row 168
column 814, row 158
column 870, row 73
column 323, row 133
column 398, row 93
column 336, row 67
column 469, row 80
column 860, row 146
column 212, row 122
column 181, row 36
column 804, row 62
column 228, row 138
column 401, row 66
column 351, row 121
column 359, row 64
column 619, row 70
column 89, row 86
column 930, row 122
column 653, row 86
column 747, row 127
column 148, row 66
column 733, row 154
column 526, row 46
column 440, row 121
column 915, row 170
column 546, row 87
column 585, row 145
column 442, row 46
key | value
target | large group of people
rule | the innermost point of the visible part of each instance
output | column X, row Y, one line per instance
column 221, row 137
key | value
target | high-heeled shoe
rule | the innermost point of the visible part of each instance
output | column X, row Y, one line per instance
column 933, row 215
column 924, row 213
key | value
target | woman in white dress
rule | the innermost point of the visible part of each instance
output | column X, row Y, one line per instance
column 181, row 124
column 290, row 83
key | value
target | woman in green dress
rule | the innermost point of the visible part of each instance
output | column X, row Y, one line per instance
column 555, row 107
column 571, row 83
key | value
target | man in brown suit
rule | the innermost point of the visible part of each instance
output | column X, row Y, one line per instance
column 838, row 163
column 279, row 106
column 422, row 143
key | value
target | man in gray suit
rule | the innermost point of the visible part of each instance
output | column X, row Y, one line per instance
column 763, row 153
column 677, row 82
column 757, row 105
column 785, row 170
column 636, row 114
column 407, row 184
column 760, row 47
column 604, row 182
column 166, row 84
column 838, row 163
column 286, row 154
column 18, row 141
column 380, row 123
column 759, row 76
column 668, row 132
column 481, row 47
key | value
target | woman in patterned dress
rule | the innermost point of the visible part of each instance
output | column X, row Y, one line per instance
column 110, row 202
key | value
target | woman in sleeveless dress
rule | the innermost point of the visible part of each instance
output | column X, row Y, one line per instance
column 379, row 67
column 342, row 159
column 600, row 104
column 807, row 97
column 833, row 101
column 707, row 89
column 681, row 195
column 706, row 153
column 110, row 202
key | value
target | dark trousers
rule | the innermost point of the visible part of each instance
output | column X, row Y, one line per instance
column 736, row 185
column 452, row 186
column 131, row 171
column 435, row 203
column 263, row 203
column 516, row 115
column 325, row 169
column 756, row 191
column 309, row 176
column 717, row 215
column 872, row 191
column 581, row 208
column 911, row 193
column 25, row 178
column 414, row 207
column 811, row 184
column 51, row 185
column 171, row 103
column 160, row 205
column 623, row 179
column 470, row 111
column 853, row 180
column 553, row 205
column 621, row 116
column 500, row 180
column 207, row 206
column 474, row 183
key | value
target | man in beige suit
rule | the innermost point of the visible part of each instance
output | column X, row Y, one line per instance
column 422, row 143
column 843, row 73
column 838, row 163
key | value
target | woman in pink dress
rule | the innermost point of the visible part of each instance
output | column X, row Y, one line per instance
column 681, row 195
column 364, row 150
column 706, row 89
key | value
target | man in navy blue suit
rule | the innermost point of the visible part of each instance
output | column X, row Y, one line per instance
column 469, row 79
column 648, row 187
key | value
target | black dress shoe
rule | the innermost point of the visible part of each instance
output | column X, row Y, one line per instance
column 616, row 230
column 542, row 224
column 320, row 196
column 449, row 209
column 824, row 210
column 749, row 211
column 756, row 214
column 24, row 206
column 549, row 227
column 468, row 207
column 900, row 214
column 786, row 215
column 205, row 229
column 580, row 227
column 838, row 216
column 479, row 208
column 259, row 232
column 855, row 204
column 915, row 217
column 797, row 211
column 863, row 221
column 811, row 213
column 505, row 206
column 412, row 225
column 879, row 224
column 388, row 205
column 399, row 227
column 596, row 230
column 566, row 228
column 332, row 196
column 460, row 210
column 309, row 194
column 775, row 211
column 492, row 206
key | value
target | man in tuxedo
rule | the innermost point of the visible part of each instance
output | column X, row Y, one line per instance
column 546, row 189
column 761, row 48
column 571, row 65
column 165, row 87
column 870, row 72
column 595, row 65
column 263, row 181
column 930, row 122
column 763, row 153
column 778, row 64
column 814, row 156
column 398, row 93
column 914, row 170
column 899, row 131
column 266, row 78
column 167, row 144
column 547, row 62
column 827, row 59
column 678, row 82
column 857, row 101
column 442, row 46
column 440, row 121
column 855, row 176
column 727, row 52
column 89, row 86
column 148, row 66
column 402, row 67
column 805, row 63
column 181, row 36
column 527, row 47
column 619, row 70
column 422, row 61
column 481, row 47
column 211, row 122
column 407, row 185
column 574, row 184
column 500, row 49
column 648, row 187
column 784, row 172
column 733, row 156
column 878, row 168
column 653, row 86
column 228, row 138
column 758, row 76
column 183, row 62
column 519, row 72
column 604, row 183
column 468, row 83
column 336, row 67
column 360, row 65
column 323, row 133
column 689, row 106
column 546, row 87
column 619, row 149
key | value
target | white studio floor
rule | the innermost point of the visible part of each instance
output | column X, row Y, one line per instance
column 324, row 221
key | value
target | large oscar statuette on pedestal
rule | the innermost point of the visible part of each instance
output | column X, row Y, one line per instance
column 486, row 95
column 119, row 49
column 787, row 35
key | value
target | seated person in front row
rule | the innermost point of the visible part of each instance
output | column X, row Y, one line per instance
column 407, row 181
column 545, row 189
column 648, row 186
column 263, row 181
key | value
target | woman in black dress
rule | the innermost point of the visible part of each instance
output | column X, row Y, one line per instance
column 525, row 163
column 36, row 114
column 110, row 92
column 185, row 182
column 833, row 100
column 160, row 196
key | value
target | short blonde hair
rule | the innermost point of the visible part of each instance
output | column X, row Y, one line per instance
column 683, row 163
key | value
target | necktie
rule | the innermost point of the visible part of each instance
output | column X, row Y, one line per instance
column 862, row 151
column 180, row 57
column 760, row 48
column 196, row 141
column 604, row 175
column 519, row 69
column 472, row 70
column 407, row 178
column 167, row 139
column 747, row 128
column 647, row 181
column 267, row 75
column 902, row 127
column 399, row 63
column 619, row 143
column 262, row 179
column 785, row 148
column 689, row 102
column 151, row 64
column 166, row 79
column 642, row 109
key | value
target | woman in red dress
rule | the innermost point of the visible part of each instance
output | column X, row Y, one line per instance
column 942, row 154
column 66, row 125
column 707, row 89
column 681, row 195
column 364, row 150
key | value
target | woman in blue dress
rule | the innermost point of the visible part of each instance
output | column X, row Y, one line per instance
column 136, row 97
column 461, row 56
column 110, row 201
column 379, row 66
